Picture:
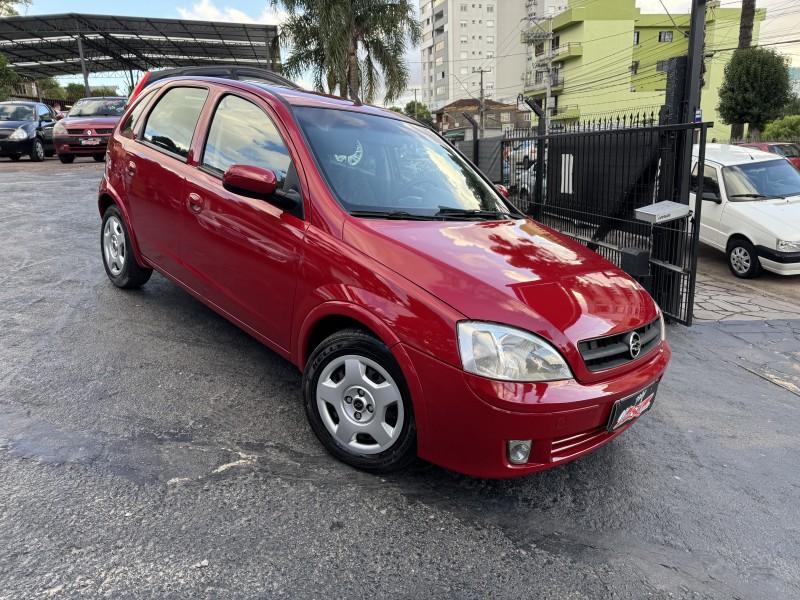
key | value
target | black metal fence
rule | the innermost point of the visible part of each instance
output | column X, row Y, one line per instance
column 594, row 175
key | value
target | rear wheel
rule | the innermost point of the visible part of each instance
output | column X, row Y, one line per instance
column 66, row 158
column 99, row 157
column 37, row 150
column 118, row 258
column 742, row 259
column 358, row 404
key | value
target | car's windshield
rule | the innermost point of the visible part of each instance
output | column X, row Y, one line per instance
column 16, row 112
column 98, row 107
column 757, row 180
column 378, row 166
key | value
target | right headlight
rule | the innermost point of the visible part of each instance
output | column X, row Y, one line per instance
column 19, row 134
column 507, row 353
column 787, row 246
column 59, row 129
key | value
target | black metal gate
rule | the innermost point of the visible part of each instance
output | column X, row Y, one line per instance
column 587, row 183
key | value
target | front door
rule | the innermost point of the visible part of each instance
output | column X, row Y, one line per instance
column 154, row 170
column 241, row 253
column 711, row 211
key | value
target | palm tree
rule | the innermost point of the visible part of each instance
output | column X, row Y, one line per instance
column 347, row 42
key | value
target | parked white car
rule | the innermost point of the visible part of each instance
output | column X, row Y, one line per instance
column 751, row 209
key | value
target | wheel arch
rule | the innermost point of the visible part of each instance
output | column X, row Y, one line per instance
column 736, row 236
column 329, row 317
column 106, row 200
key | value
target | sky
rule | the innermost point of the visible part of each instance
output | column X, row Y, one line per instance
column 782, row 24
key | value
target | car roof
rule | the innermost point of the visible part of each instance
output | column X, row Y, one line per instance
column 756, row 144
column 103, row 98
column 727, row 155
column 233, row 72
column 22, row 103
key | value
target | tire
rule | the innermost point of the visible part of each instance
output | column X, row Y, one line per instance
column 117, row 252
column 352, row 370
column 66, row 159
column 742, row 259
column 37, row 150
column 99, row 157
column 15, row 157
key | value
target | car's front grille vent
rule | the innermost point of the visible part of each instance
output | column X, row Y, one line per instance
column 615, row 350
column 74, row 131
column 104, row 131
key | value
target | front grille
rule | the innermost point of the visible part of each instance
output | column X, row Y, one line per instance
column 104, row 131
column 88, row 149
column 4, row 133
column 612, row 351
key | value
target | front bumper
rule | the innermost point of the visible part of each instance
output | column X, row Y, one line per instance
column 470, row 418
column 76, row 144
column 11, row 148
column 782, row 263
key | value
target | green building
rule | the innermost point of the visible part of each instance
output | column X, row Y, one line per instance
column 608, row 58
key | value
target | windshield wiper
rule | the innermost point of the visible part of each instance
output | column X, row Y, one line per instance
column 472, row 213
column 399, row 215
column 757, row 196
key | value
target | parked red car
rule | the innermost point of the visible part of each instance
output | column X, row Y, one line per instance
column 789, row 151
column 86, row 128
column 428, row 316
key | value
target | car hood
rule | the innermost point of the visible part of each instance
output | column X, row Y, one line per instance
column 88, row 122
column 515, row 272
column 15, row 124
column 777, row 217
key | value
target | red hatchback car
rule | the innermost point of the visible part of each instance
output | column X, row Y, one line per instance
column 86, row 128
column 790, row 152
column 428, row 316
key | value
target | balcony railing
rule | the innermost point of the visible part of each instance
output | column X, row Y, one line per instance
column 537, row 84
column 567, row 50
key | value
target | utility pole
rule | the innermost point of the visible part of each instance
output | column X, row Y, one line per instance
column 416, row 112
column 482, row 108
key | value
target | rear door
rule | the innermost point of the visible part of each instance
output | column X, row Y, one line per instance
column 47, row 120
column 241, row 253
column 154, row 168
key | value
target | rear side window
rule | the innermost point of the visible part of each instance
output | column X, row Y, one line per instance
column 171, row 124
column 242, row 134
column 132, row 121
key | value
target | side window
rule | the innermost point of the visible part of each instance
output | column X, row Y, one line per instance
column 44, row 112
column 172, row 121
column 132, row 121
column 710, row 181
column 242, row 134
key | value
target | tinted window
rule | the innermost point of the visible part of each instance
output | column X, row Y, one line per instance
column 242, row 134
column 757, row 180
column 710, row 180
column 133, row 119
column 16, row 112
column 171, row 123
column 789, row 150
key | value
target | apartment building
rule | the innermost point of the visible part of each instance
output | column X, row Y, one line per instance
column 460, row 38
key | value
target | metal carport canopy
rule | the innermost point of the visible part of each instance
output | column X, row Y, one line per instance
column 50, row 45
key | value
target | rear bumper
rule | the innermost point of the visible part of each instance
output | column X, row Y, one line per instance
column 74, row 145
column 467, row 429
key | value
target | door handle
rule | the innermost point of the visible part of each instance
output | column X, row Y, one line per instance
column 131, row 168
column 194, row 203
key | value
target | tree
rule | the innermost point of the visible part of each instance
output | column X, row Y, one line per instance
column 7, row 78
column 792, row 107
column 347, row 42
column 75, row 91
column 7, row 7
column 51, row 89
column 787, row 128
column 106, row 90
column 754, row 89
column 417, row 110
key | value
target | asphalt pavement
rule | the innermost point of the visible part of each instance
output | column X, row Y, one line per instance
column 148, row 448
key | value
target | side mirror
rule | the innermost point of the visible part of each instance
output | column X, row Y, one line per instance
column 258, row 183
column 712, row 196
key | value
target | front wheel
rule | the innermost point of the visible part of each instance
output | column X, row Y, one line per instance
column 66, row 158
column 358, row 404
column 118, row 258
column 743, row 260
column 37, row 150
